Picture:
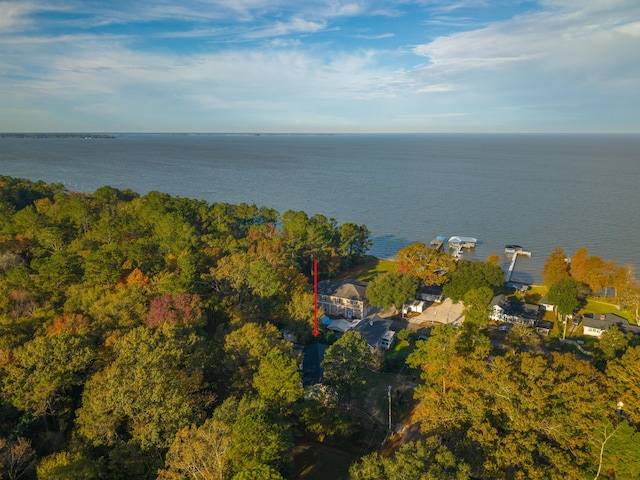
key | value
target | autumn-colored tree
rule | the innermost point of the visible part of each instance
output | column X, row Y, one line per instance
column 17, row 458
column 578, row 268
column 199, row 453
column 427, row 264
column 555, row 267
column 623, row 278
column 595, row 278
column 494, row 259
column 183, row 309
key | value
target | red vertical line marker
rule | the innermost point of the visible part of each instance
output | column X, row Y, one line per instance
column 315, row 297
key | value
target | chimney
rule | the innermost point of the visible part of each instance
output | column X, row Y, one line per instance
column 602, row 317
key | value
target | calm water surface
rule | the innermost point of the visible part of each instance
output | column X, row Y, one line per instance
column 538, row 191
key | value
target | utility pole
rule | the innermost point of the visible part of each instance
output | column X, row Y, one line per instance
column 389, row 394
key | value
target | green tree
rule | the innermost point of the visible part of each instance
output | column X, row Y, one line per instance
column 45, row 371
column 245, row 347
column 470, row 275
column 437, row 359
column 345, row 363
column 567, row 298
column 620, row 455
column 477, row 305
column 476, row 311
column 259, row 472
column 391, row 289
column 623, row 378
column 55, row 273
column 522, row 337
column 278, row 380
column 68, row 466
column 421, row 460
column 258, row 437
column 425, row 263
column 305, row 238
column 611, row 344
column 354, row 243
column 555, row 267
column 521, row 415
column 151, row 389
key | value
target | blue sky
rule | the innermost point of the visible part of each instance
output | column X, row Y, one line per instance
column 312, row 66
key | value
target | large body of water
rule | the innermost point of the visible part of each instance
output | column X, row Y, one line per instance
column 538, row 191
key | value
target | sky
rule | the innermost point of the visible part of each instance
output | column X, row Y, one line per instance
column 291, row 66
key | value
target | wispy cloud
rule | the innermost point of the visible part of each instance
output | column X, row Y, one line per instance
column 380, row 36
column 343, row 64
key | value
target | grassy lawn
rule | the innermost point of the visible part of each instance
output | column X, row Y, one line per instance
column 367, row 270
column 596, row 306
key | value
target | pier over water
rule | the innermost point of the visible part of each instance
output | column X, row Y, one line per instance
column 512, row 266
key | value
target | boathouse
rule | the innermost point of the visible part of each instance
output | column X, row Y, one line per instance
column 462, row 242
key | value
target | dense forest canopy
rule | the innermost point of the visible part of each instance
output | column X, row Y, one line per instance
column 126, row 319
column 141, row 337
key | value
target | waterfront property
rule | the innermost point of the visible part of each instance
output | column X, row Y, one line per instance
column 346, row 299
column 594, row 325
column 507, row 311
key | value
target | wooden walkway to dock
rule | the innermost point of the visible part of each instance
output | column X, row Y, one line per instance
column 513, row 262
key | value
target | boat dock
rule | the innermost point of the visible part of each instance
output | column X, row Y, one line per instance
column 438, row 242
column 462, row 242
column 516, row 252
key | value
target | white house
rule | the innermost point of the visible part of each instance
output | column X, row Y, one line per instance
column 594, row 325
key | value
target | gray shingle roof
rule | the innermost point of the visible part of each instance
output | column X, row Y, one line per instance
column 349, row 289
column 373, row 329
column 606, row 320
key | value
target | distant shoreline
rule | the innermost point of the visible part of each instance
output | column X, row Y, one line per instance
column 57, row 135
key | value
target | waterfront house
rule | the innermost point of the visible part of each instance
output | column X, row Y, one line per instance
column 507, row 311
column 594, row 325
column 346, row 299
